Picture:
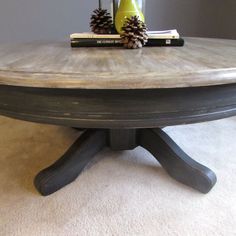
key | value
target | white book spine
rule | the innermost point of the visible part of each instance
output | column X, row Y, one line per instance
column 167, row 34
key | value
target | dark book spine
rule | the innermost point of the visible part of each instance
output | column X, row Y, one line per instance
column 96, row 43
column 117, row 43
column 165, row 42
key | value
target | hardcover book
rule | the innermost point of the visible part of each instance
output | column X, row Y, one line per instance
column 166, row 34
column 106, row 42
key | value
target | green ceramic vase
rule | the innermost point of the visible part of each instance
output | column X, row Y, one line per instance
column 127, row 9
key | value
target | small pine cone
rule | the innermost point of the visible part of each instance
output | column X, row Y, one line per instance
column 134, row 33
column 101, row 22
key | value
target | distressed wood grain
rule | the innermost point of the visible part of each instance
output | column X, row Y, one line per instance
column 120, row 96
column 118, row 109
column 201, row 62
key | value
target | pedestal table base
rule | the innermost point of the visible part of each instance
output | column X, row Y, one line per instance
column 175, row 161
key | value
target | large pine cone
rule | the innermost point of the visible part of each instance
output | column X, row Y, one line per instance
column 101, row 22
column 134, row 33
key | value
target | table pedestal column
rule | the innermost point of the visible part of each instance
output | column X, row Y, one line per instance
column 176, row 162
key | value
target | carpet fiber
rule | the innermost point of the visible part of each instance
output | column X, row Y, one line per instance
column 120, row 193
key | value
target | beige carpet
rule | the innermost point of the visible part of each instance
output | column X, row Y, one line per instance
column 121, row 193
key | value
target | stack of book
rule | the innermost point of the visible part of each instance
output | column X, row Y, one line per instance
column 155, row 38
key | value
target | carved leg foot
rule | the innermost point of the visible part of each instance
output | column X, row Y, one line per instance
column 177, row 163
column 70, row 165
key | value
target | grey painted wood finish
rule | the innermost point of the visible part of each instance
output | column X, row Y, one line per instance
column 71, row 164
column 201, row 62
column 177, row 163
column 120, row 94
column 118, row 108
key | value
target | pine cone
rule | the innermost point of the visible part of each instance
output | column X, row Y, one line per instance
column 134, row 33
column 101, row 21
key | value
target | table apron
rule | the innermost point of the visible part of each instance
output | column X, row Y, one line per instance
column 118, row 108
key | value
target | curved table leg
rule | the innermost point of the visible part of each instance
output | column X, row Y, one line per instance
column 176, row 162
column 70, row 165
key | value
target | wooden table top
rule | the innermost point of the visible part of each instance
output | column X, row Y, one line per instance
column 201, row 62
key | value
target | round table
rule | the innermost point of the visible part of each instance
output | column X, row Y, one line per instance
column 120, row 98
